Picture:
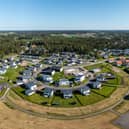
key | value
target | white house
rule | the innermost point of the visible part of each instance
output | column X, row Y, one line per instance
column 3, row 71
column 79, row 78
column 31, row 86
column 29, row 92
column 64, row 82
column 85, row 90
column 96, row 70
column 101, row 78
column 97, row 85
column 47, row 78
column 5, row 66
column 13, row 64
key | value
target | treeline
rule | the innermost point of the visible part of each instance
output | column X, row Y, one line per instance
column 42, row 44
column 84, row 45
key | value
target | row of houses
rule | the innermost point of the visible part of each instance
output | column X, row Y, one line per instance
column 64, row 58
column 120, row 61
column 66, row 93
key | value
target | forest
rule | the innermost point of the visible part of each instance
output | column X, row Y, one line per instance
column 41, row 43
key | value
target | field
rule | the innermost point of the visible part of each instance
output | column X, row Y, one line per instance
column 13, row 119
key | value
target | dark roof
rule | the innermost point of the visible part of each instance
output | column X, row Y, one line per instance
column 66, row 91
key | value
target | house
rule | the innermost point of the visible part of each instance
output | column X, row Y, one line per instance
column 19, row 82
column 25, row 78
column 48, row 71
column 96, row 70
column 29, row 92
column 127, row 61
column 57, row 68
column 39, row 66
column 48, row 92
column 64, row 82
column 111, row 60
column 13, row 64
column 27, row 72
column 85, row 90
column 31, row 86
column 118, row 63
column 3, row 71
column 47, row 78
column 5, row 66
column 101, row 78
column 95, row 84
column 67, row 94
column 79, row 78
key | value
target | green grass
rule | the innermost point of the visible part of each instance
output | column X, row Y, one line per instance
column 106, row 91
column 60, row 75
column 2, row 92
column 35, row 98
column 90, row 99
column 12, row 74
column 116, row 81
column 66, row 102
column 76, row 101
column 94, row 66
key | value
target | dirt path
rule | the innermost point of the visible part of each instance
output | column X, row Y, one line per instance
column 13, row 119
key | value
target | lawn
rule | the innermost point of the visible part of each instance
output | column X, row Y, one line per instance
column 2, row 92
column 76, row 101
column 90, row 99
column 116, row 81
column 106, row 91
column 60, row 75
column 35, row 98
column 61, row 102
column 94, row 66
column 12, row 74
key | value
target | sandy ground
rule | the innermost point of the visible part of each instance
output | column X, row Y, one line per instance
column 13, row 119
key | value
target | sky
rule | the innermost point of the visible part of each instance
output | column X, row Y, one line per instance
column 64, row 14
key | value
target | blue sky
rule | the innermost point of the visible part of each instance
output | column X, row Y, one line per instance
column 64, row 14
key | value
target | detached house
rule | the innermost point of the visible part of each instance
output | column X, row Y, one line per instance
column 79, row 78
column 31, row 86
column 85, row 90
column 3, row 71
column 95, row 84
column 29, row 92
column 48, row 71
column 64, row 82
column 67, row 94
column 48, row 92
column 47, row 78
